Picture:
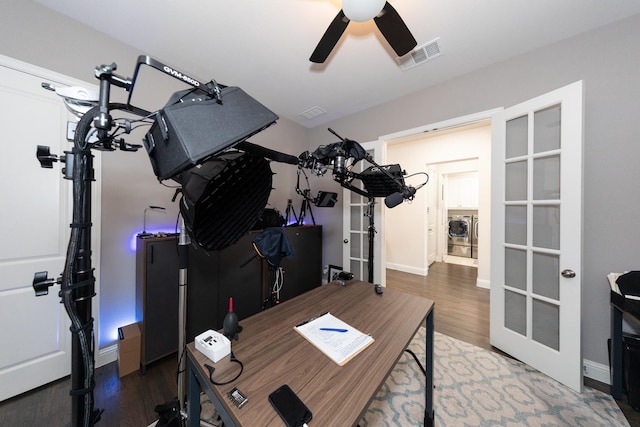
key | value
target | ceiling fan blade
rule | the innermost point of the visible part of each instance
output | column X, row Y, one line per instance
column 330, row 38
column 395, row 30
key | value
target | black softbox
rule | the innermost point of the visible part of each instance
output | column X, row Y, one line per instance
column 193, row 127
column 224, row 197
column 382, row 181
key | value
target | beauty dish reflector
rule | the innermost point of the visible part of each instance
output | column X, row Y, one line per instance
column 224, row 197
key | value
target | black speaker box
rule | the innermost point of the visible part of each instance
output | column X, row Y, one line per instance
column 192, row 130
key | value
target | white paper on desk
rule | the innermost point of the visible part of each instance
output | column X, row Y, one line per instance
column 339, row 346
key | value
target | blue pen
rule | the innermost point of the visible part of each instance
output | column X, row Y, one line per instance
column 333, row 329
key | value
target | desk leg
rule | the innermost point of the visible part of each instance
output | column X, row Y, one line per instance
column 616, row 353
column 193, row 396
column 428, row 410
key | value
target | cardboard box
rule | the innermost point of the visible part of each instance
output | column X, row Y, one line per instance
column 128, row 349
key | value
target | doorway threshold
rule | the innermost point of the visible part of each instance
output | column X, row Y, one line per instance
column 452, row 259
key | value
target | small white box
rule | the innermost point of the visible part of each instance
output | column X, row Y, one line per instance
column 213, row 344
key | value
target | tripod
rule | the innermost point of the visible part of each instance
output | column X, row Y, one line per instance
column 306, row 204
column 290, row 211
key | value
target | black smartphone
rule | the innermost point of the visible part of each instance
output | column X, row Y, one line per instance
column 288, row 405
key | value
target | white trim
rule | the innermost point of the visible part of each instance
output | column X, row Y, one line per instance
column 408, row 269
column 107, row 355
column 486, row 284
column 445, row 124
column 34, row 70
column 596, row 371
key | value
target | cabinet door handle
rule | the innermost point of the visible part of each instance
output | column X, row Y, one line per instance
column 151, row 254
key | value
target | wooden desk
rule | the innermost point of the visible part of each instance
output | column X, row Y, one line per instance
column 274, row 354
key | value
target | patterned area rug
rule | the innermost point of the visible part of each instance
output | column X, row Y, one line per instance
column 476, row 387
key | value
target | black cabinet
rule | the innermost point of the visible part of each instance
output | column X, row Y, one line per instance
column 157, row 297
column 303, row 269
column 214, row 277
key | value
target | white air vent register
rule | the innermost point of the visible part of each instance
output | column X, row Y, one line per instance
column 420, row 54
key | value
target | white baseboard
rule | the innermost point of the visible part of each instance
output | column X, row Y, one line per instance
column 421, row 271
column 482, row 283
column 596, row 371
column 107, row 355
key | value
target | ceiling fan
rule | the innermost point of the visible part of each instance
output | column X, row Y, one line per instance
column 389, row 23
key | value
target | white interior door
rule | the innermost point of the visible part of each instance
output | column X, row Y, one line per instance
column 355, row 226
column 34, row 230
column 536, row 249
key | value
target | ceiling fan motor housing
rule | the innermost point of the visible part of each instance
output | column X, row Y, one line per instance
column 362, row 10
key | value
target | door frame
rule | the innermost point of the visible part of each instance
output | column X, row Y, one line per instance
column 435, row 127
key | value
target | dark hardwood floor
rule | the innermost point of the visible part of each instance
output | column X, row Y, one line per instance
column 462, row 308
column 462, row 312
column 127, row 401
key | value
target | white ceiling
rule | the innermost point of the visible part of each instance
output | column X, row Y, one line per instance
column 264, row 46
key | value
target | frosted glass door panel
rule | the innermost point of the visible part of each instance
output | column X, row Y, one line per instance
column 517, row 135
column 546, row 226
column 356, row 217
column 515, row 315
column 545, row 275
column 516, row 225
column 546, row 182
column 355, row 244
column 546, row 323
column 515, row 274
column 546, row 129
column 516, row 181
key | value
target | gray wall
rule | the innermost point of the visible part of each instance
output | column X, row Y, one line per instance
column 33, row 34
column 608, row 61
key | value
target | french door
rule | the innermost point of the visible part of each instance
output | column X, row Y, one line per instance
column 356, row 224
column 536, row 228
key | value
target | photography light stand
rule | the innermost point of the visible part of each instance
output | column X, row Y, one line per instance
column 77, row 282
column 183, row 263
column 249, row 183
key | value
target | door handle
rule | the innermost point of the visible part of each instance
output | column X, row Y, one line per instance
column 345, row 241
column 569, row 274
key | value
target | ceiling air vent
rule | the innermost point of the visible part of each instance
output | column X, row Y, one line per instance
column 312, row 112
column 421, row 54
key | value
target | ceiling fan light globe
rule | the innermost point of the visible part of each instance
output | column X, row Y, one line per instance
column 362, row 10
